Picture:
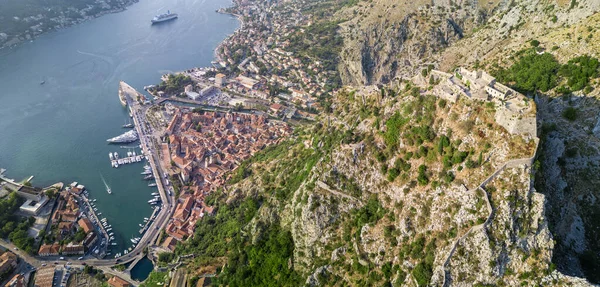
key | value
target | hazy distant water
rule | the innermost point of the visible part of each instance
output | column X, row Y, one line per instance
column 58, row 131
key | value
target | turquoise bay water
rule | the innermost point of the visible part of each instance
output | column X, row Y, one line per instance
column 58, row 131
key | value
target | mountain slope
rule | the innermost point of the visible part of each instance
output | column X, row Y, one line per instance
column 395, row 185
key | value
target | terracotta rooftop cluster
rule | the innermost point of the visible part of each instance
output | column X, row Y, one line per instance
column 202, row 149
column 67, row 219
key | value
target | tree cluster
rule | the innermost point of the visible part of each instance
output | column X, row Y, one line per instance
column 13, row 227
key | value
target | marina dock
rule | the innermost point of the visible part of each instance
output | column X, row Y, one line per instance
column 96, row 221
column 149, row 222
column 131, row 157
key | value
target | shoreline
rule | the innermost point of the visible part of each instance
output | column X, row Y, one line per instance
column 216, row 55
column 15, row 42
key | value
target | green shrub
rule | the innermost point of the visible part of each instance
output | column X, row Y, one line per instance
column 422, row 274
column 531, row 72
column 393, row 126
column 570, row 114
column 579, row 70
column 422, row 177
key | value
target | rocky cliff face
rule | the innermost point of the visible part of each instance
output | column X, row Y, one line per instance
column 569, row 176
column 384, row 40
column 398, row 186
column 429, row 222
column 567, row 156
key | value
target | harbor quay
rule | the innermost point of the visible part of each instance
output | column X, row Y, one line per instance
column 76, row 220
column 76, row 214
column 98, row 222
column 144, row 132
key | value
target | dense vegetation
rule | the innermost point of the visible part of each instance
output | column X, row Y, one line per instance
column 13, row 227
column 393, row 127
column 323, row 45
column 578, row 72
column 155, row 279
column 175, row 84
column 533, row 72
column 264, row 263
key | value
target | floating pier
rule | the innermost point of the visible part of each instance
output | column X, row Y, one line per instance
column 149, row 222
column 131, row 157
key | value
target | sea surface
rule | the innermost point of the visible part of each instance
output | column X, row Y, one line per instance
column 57, row 131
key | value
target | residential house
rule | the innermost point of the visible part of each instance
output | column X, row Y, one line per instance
column 44, row 277
column 170, row 243
column 117, row 282
column 86, row 224
column 90, row 239
column 49, row 249
column 17, row 281
column 8, row 261
column 73, row 249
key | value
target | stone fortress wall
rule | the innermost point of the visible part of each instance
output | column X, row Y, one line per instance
column 515, row 112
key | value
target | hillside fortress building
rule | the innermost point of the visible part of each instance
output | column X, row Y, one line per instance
column 514, row 111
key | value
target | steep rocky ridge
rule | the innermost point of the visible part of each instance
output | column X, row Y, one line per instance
column 568, row 167
column 553, row 23
column 397, row 186
column 386, row 39
column 565, row 29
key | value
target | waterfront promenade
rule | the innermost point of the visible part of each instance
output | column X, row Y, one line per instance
column 167, row 197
